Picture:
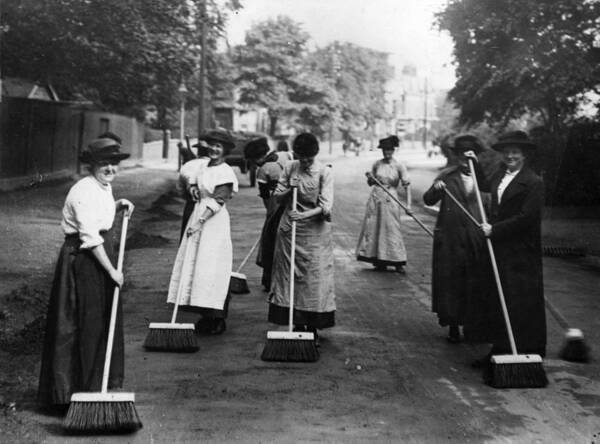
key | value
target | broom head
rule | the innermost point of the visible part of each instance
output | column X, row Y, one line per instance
column 575, row 349
column 238, row 283
column 516, row 371
column 171, row 337
column 286, row 346
column 102, row 413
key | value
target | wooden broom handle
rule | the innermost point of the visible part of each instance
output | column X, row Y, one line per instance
column 248, row 255
column 409, row 212
column 115, row 304
column 511, row 338
column 463, row 209
column 292, row 261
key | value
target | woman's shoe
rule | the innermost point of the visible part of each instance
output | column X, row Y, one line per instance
column 380, row 267
column 219, row 327
column 400, row 269
column 203, row 326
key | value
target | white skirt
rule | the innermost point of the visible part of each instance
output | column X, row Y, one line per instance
column 202, row 268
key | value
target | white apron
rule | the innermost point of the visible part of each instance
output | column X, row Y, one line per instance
column 203, row 265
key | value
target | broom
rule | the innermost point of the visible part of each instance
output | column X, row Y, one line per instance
column 172, row 336
column 575, row 348
column 513, row 370
column 404, row 207
column 238, row 283
column 291, row 346
column 103, row 412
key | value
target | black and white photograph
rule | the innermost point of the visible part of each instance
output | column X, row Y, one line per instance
column 294, row 221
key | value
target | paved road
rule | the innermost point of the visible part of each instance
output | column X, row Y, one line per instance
column 386, row 373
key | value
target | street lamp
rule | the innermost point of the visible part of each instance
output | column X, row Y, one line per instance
column 182, row 90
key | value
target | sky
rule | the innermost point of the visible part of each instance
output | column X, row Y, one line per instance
column 403, row 28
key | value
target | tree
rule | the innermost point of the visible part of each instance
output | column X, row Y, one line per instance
column 517, row 57
column 270, row 67
column 123, row 55
column 359, row 76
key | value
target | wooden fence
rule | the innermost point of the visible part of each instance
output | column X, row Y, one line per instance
column 41, row 140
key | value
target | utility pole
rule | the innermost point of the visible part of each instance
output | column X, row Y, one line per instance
column 426, row 92
column 202, row 106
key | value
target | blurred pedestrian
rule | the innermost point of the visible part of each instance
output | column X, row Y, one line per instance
column 314, row 299
column 515, row 231
column 457, row 274
column 271, row 165
column 84, row 280
column 188, row 176
column 380, row 241
column 202, row 269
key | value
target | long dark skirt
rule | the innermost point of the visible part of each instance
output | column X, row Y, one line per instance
column 77, row 327
column 267, row 243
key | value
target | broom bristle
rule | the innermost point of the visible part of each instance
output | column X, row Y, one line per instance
column 238, row 284
column 102, row 418
column 171, row 339
column 575, row 350
column 515, row 372
column 290, row 350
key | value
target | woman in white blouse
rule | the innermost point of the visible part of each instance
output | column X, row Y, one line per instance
column 84, row 280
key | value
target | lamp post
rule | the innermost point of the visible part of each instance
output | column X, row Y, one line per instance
column 182, row 90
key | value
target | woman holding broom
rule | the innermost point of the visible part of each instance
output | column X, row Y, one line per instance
column 515, row 231
column 458, row 246
column 314, row 297
column 380, row 241
column 84, row 280
column 200, row 281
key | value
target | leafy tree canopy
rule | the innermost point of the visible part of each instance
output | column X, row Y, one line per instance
column 523, row 56
column 121, row 54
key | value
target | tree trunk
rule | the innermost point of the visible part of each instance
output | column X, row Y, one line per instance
column 272, row 125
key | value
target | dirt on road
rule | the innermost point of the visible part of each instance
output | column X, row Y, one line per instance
column 386, row 374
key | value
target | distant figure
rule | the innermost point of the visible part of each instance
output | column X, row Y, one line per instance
column 202, row 269
column 282, row 145
column 458, row 246
column 314, row 303
column 271, row 165
column 84, row 280
column 380, row 241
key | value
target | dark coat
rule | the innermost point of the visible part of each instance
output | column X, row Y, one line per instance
column 457, row 252
column 516, row 239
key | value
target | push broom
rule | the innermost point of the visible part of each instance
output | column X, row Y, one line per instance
column 574, row 349
column 238, row 283
column 395, row 199
column 104, row 412
column 173, row 336
column 291, row 346
column 512, row 370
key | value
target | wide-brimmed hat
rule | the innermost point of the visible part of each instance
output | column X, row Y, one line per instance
column 514, row 138
column 305, row 145
column 222, row 137
column 467, row 142
column 102, row 150
column 256, row 148
column 389, row 143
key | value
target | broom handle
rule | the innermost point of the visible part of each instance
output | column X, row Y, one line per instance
column 464, row 210
column 115, row 303
column 248, row 255
column 179, row 295
column 409, row 212
column 511, row 338
column 292, row 261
